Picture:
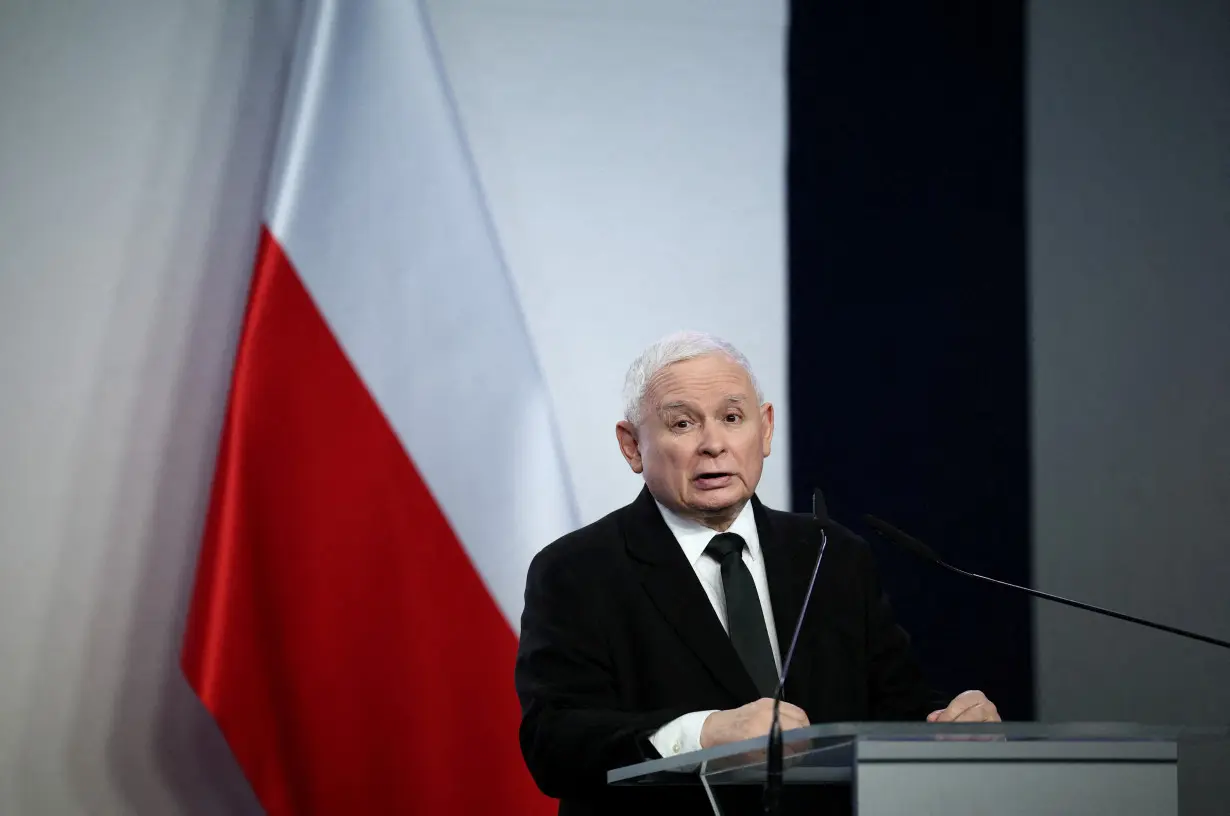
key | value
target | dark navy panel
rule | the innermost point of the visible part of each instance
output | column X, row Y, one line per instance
column 909, row 377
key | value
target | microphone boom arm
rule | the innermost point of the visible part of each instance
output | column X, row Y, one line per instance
column 892, row 534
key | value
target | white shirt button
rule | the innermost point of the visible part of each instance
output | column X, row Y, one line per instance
column 675, row 748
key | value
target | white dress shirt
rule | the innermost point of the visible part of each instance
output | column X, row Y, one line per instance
column 683, row 733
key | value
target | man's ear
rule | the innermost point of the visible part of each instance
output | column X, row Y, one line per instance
column 628, row 444
column 766, row 428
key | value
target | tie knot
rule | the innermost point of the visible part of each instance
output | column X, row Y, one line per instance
column 723, row 545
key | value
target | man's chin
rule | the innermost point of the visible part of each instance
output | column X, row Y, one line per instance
column 718, row 501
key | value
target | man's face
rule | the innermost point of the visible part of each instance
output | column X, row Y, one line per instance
column 702, row 439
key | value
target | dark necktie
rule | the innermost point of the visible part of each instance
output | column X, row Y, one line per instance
column 744, row 617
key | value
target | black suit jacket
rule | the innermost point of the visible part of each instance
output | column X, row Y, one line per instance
column 618, row 638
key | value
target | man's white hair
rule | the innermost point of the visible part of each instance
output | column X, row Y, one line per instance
column 675, row 348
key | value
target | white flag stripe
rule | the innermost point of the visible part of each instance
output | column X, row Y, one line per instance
column 386, row 225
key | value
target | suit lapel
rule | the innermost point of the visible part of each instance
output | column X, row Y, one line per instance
column 672, row 585
column 788, row 568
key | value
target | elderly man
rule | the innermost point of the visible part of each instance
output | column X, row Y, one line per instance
column 660, row 628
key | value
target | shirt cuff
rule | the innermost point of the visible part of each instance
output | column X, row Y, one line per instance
column 680, row 735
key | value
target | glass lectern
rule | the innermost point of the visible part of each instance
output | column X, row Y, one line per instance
column 953, row 769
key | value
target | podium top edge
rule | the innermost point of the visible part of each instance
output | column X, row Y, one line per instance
column 849, row 732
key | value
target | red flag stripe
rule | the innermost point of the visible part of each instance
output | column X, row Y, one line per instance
column 388, row 669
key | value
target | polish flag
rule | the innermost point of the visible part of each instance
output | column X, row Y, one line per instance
column 389, row 462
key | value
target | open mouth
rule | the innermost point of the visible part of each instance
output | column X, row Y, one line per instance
column 709, row 481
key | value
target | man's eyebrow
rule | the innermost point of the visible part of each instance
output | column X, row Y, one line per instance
column 672, row 406
column 682, row 405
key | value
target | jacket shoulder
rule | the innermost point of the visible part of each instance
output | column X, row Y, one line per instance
column 583, row 546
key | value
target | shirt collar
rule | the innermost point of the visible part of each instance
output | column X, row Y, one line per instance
column 693, row 536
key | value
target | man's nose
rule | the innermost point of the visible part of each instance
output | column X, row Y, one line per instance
column 712, row 440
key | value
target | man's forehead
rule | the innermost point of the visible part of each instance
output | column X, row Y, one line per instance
column 717, row 379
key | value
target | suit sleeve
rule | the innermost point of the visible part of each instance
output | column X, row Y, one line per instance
column 897, row 689
column 573, row 728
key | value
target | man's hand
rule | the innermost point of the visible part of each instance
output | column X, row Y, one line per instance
column 746, row 722
column 968, row 706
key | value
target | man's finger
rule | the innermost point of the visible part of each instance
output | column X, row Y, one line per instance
column 793, row 719
column 791, row 716
column 982, row 712
column 952, row 712
column 961, row 703
column 975, row 713
column 793, row 711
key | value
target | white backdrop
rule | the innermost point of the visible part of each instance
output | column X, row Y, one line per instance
column 633, row 156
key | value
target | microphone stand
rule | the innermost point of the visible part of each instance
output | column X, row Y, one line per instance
column 773, row 765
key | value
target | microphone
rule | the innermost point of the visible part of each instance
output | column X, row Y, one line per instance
column 906, row 541
column 773, row 766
